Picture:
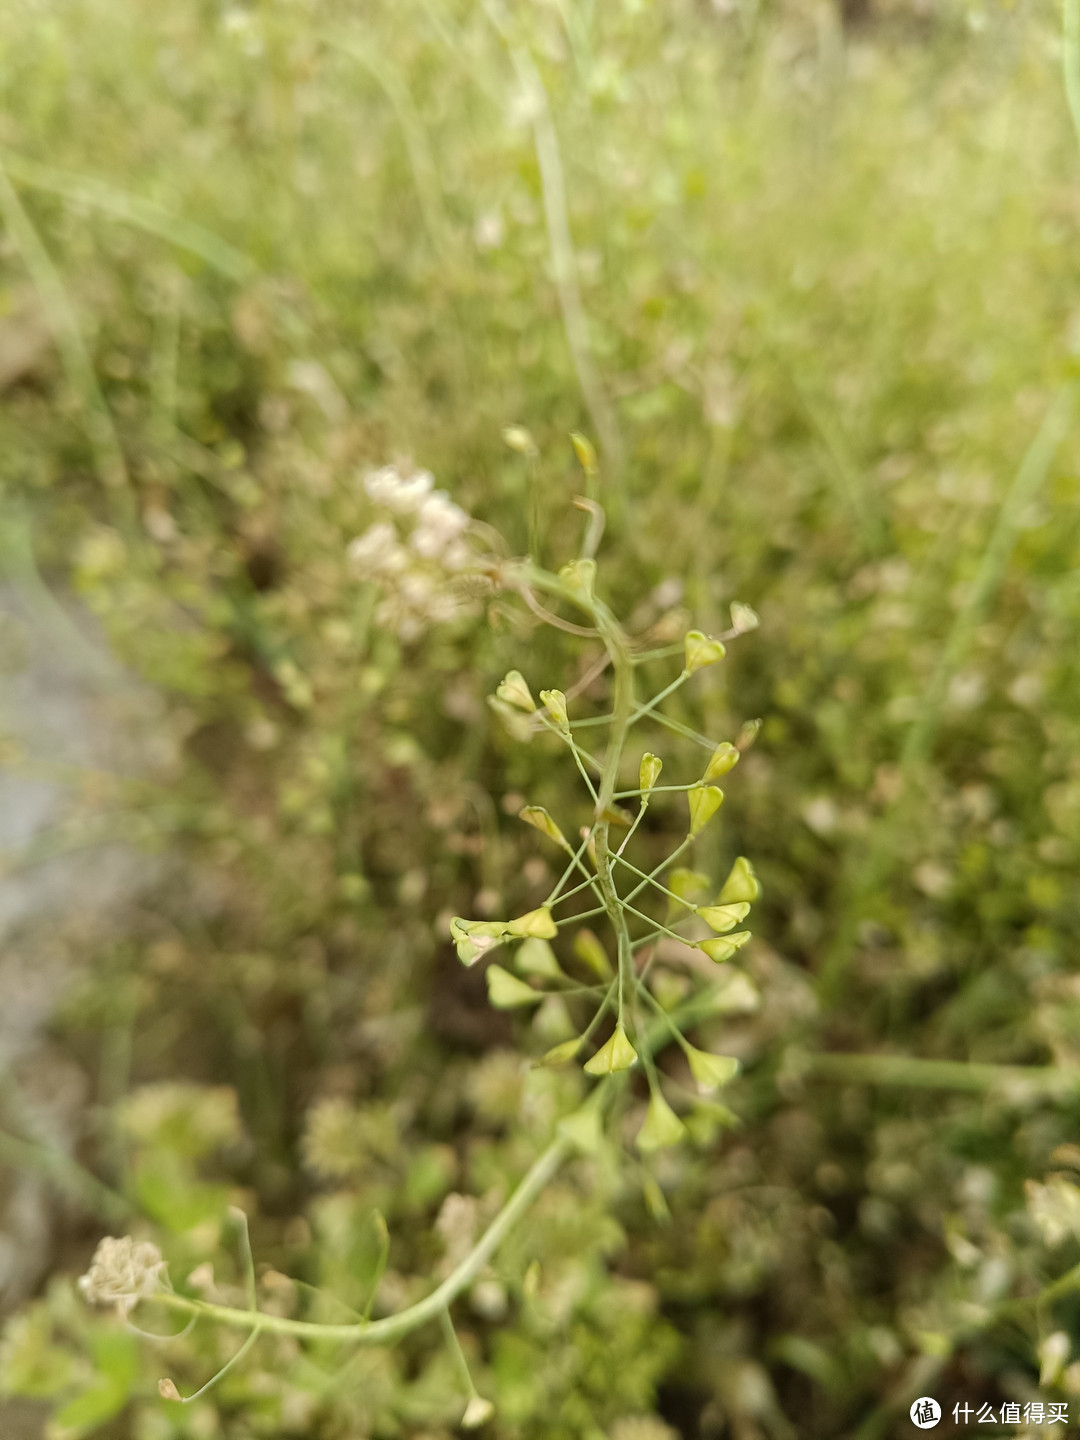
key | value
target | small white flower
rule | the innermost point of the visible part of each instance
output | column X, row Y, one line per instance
column 410, row 493
column 122, row 1273
column 382, row 485
column 368, row 552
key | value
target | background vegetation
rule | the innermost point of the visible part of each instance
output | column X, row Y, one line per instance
column 809, row 281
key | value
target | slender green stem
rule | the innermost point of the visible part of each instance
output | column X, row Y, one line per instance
column 654, row 883
column 911, row 1070
column 575, row 861
column 662, row 866
column 453, row 1344
column 391, row 1329
column 647, row 709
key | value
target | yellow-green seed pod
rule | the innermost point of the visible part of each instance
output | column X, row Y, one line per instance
column 743, row 618
column 583, row 1129
column 537, row 923
column 748, row 733
column 724, row 758
column 701, row 650
column 662, row 1126
column 579, row 577
column 536, row 957
column 513, row 690
column 724, row 947
column 507, row 992
column 585, row 452
column 588, row 949
column 554, row 702
column 560, row 1055
column 741, row 883
column 723, row 918
column 539, row 819
column 519, row 439
column 649, row 771
column 711, row 1071
column 704, row 801
column 473, row 938
column 617, row 1054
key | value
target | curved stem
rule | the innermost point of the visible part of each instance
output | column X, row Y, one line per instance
column 393, row 1327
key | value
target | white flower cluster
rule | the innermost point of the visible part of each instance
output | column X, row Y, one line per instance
column 414, row 569
column 122, row 1273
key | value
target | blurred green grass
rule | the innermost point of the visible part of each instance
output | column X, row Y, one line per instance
column 827, row 278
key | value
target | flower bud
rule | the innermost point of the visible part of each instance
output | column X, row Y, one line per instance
column 590, row 844
column 513, row 690
column 617, row 1054
column 748, row 733
column 711, row 1071
column 536, row 957
column 743, row 618
column 167, row 1389
column 478, row 1412
column 539, row 819
column 507, row 992
column 536, row 923
column 649, row 771
column 530, row 1282
column 701, row 650
column 722, row 949
column 588, row 949
column 723, row 918
column 519, row 439
column 554, row 702
column 724, row 758
column 741, row 883
column 704, row 801
column 662, row 1126
column 585, row 452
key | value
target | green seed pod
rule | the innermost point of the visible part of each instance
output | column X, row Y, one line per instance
column 662, row 1126
column 724, row 758
column 519, row 439
column 554, row 702
column 743, row 618
column 588, row 949
column 513, row 690
column 741, row 883
column 539, row 819
column 723, row 948
column 560, row 1055
column 704, row 801
column 701, row 650
column 507, row 992
column 618, row 1054
column 537, row 923
column 723, row 918
column 711, row 1071
column 585, row 452
column 649, row 771
column 536, row 957
column 579, row 577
